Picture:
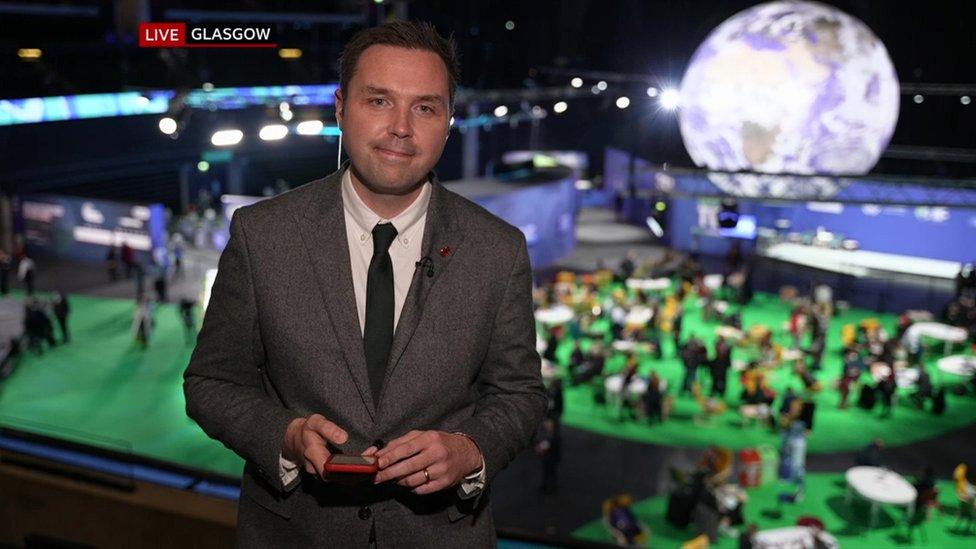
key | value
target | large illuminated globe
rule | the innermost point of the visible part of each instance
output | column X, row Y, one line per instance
column 789, row 87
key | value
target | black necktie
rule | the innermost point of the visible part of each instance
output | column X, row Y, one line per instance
column 378, row 330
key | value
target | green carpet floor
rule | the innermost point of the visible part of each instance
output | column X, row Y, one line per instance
column 102, row 389
column 824, row 499
column 835, row 430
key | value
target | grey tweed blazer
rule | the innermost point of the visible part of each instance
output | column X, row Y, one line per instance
column 281, row 340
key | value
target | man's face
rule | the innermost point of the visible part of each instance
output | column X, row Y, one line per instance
column 396, row 118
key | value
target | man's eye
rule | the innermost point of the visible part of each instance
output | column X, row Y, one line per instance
column 378, row 101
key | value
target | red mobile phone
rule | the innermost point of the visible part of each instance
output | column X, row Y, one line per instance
column 361, row 465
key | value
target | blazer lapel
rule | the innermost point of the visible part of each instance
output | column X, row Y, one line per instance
column 323, row 230
column 442, row 237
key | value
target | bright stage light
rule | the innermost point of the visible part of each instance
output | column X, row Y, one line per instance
column 601, row 85
column 501, row 110
column 623, row 102
column 273, row 132
column 203, row 165
column 652, row 92
column 167, row 125
column 655, row 227
column 309, row 127
column 670, row 99
column 560, row 107
column 226, row 138
column 576, row 82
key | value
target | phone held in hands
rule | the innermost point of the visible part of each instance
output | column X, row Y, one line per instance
column 347, row 464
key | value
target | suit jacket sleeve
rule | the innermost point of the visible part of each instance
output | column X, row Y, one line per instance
column 512, row 397
column 224, row 384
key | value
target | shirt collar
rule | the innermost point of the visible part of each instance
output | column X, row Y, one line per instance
column 366, row 219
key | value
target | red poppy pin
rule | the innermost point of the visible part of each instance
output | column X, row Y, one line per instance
column 445, row 251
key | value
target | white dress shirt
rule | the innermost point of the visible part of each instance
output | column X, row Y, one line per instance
column 404, row 253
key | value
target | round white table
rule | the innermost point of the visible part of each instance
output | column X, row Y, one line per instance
column 942, row 332
column 904, row 378
column 713, row 281
column 638, row 316
column 793, row 536
column 729, row 332
column 878, row 485
column 958, row 365
column 559, row 314
column 614, row 385
column 789, row 355
column 649, row 284
column 628, row 345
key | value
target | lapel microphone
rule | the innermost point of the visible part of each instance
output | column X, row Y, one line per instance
column 426, row 261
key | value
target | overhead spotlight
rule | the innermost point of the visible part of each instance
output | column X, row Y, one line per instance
column 965, row 100
column 655, row 227
column 203, row 165
column 29, row 54
column 601, row 85
column 501, row 110
column 273, row 132
column 670, row 99
column 728, row 215
column 560, row 107
column 509, row 25
column 208, row 86
column 660, row 206
column 576, row 82
column 226, row 138
column 652, row 91
column 287, row 115
column 623, row 102
column 918, row 99
column 310, row 127
column 538, row 112
column 595, row 90
column 167, row 125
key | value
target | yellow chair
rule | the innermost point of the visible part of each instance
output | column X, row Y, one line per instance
column 701, row 542
column 965, row 493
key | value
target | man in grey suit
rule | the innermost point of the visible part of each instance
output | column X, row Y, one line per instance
column 372, row 305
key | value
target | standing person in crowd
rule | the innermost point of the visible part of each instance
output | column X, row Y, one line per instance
column 159, row 281
column 676, row 321
column 112, row 263
column 177, row 245
column 61, row 309
column 6, row 265
column 25, row 273
column 142, row 322
column 549, row 448
column 128, row 256
column 720, row 365
column 187, row 317
column 37, row 326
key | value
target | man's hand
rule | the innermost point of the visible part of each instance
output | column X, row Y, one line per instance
column 447, row 457
column 306, row 443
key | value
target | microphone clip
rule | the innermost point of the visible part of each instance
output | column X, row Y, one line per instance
column 426, row 261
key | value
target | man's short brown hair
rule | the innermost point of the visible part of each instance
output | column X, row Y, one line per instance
column 401, row 34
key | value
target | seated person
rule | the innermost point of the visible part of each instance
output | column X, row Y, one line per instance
column 871, row 455
column 754, row 387
column 923, row 388
column 622, row 523
column 714, row 465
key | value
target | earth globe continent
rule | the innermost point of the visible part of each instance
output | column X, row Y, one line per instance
column 789, row 87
